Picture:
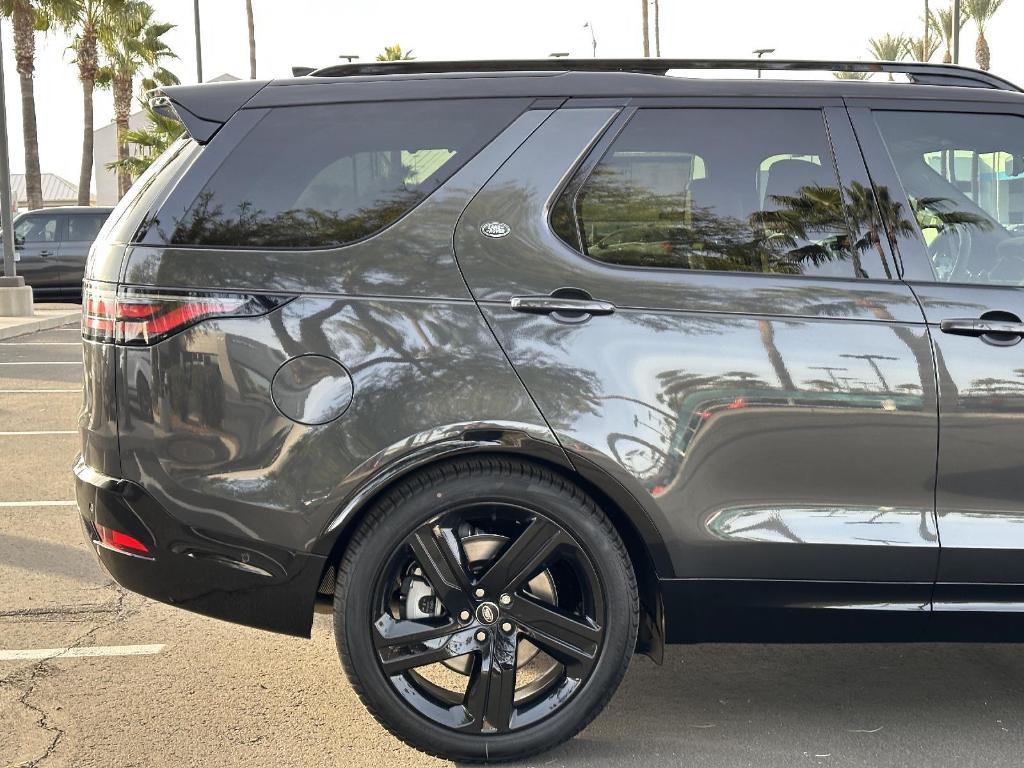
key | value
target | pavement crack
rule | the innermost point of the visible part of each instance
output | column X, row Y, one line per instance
column 28, row 681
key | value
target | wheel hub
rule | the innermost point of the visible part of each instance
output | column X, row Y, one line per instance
column 487, row 613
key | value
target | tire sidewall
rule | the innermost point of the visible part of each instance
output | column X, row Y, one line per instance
column 354, row 601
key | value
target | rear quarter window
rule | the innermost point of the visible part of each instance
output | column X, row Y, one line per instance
column 327, row 175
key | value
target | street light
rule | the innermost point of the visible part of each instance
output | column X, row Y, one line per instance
column 348, row 57
column 760, row 52
column 593, row 39
column 558, row 55
column 15, row 296
column 956, row 31
column 199, row 44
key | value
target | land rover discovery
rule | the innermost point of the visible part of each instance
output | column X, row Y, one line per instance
column 526, row 367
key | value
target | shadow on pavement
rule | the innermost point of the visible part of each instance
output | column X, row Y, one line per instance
column 850, row 705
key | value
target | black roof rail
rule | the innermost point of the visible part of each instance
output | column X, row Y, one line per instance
column 917, row 72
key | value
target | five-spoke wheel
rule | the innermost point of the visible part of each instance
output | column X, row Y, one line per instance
column 485, row 610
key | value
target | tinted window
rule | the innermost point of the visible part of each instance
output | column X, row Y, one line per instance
column 37, row 229
column 716, row 189
column 328, row 175
column 85, row 226
column 964, row 176
column 133, row 212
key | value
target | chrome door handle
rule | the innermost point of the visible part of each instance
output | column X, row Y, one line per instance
column 980, row 327
column 545, row 305
column 46, row 253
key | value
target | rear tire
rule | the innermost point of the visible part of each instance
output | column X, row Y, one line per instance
column 416, row 603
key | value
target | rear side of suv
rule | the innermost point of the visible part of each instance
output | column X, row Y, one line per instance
column 529, row 367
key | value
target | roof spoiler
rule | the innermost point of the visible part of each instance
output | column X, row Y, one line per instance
column 205, row 107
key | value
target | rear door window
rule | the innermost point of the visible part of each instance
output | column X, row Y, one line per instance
column 327, row 175
column 964, row 176
column 84, row 227
column 718, row 189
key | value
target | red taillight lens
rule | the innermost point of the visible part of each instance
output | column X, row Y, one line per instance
column 137, row 317
column 98, row 314
column 120, row 541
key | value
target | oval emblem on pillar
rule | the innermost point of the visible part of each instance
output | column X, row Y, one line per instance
column 495, row 229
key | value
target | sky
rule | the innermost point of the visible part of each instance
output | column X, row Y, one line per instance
column 315, row 32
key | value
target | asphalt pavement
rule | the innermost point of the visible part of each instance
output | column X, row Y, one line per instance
column 91, row 675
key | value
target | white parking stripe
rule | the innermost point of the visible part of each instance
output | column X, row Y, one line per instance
column 39, row 344
column 25, row 391
column 47, row 362
column 38, row 503
column 41, row 432
column 81, row 653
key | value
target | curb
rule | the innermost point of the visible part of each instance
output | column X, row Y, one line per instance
column 39, row 324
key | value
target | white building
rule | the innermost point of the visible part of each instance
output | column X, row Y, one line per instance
column 104, row 152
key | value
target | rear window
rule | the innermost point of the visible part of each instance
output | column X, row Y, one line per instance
column 131, row 213
column 327, row 175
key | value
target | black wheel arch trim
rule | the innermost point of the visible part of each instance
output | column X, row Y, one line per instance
column 644, row 542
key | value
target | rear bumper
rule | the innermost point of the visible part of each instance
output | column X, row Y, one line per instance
column 244, row 581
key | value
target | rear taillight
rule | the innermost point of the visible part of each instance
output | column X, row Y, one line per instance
column 139, row 317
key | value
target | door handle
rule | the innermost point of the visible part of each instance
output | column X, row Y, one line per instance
column 993, row 331
column 46, row 253
column 546, row 305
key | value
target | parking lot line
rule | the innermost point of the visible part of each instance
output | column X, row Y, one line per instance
column 78, row 653
column 40, row 432
column 40, row 344
column 38, row 503
column 33, row 391
column 47, row 362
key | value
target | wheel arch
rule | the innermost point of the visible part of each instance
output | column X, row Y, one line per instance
column 643, row 542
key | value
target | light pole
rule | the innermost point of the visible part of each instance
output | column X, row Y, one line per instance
column 348, row 57
column 199, row 44
column 15, row 296
column 956, row 31
column 760, row 52
column 593, row 39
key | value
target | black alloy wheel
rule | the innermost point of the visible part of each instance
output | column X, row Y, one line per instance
column 485, row 610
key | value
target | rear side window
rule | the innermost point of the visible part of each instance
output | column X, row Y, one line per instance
column 327, row 175
column 717, row 189
column 84, row 226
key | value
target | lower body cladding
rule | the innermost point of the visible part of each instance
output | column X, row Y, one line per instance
column 246, row 582
column 266, row 587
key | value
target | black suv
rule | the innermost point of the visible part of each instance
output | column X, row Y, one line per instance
column 534, row 365
column 51, row 246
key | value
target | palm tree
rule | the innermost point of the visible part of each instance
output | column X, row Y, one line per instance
column 942, row 22
column 151, row 142
column 394, row 53
column 28, row 17
column 923, row 48
column 851, row 75
column 657, row 28
column 982, row 12
column 129, row 49
column 88, row 18
column 889, row 48
column 647, row 29
column 252, row 40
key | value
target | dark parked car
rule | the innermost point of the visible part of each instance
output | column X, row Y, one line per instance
column 51, row 246
column 525, row 367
